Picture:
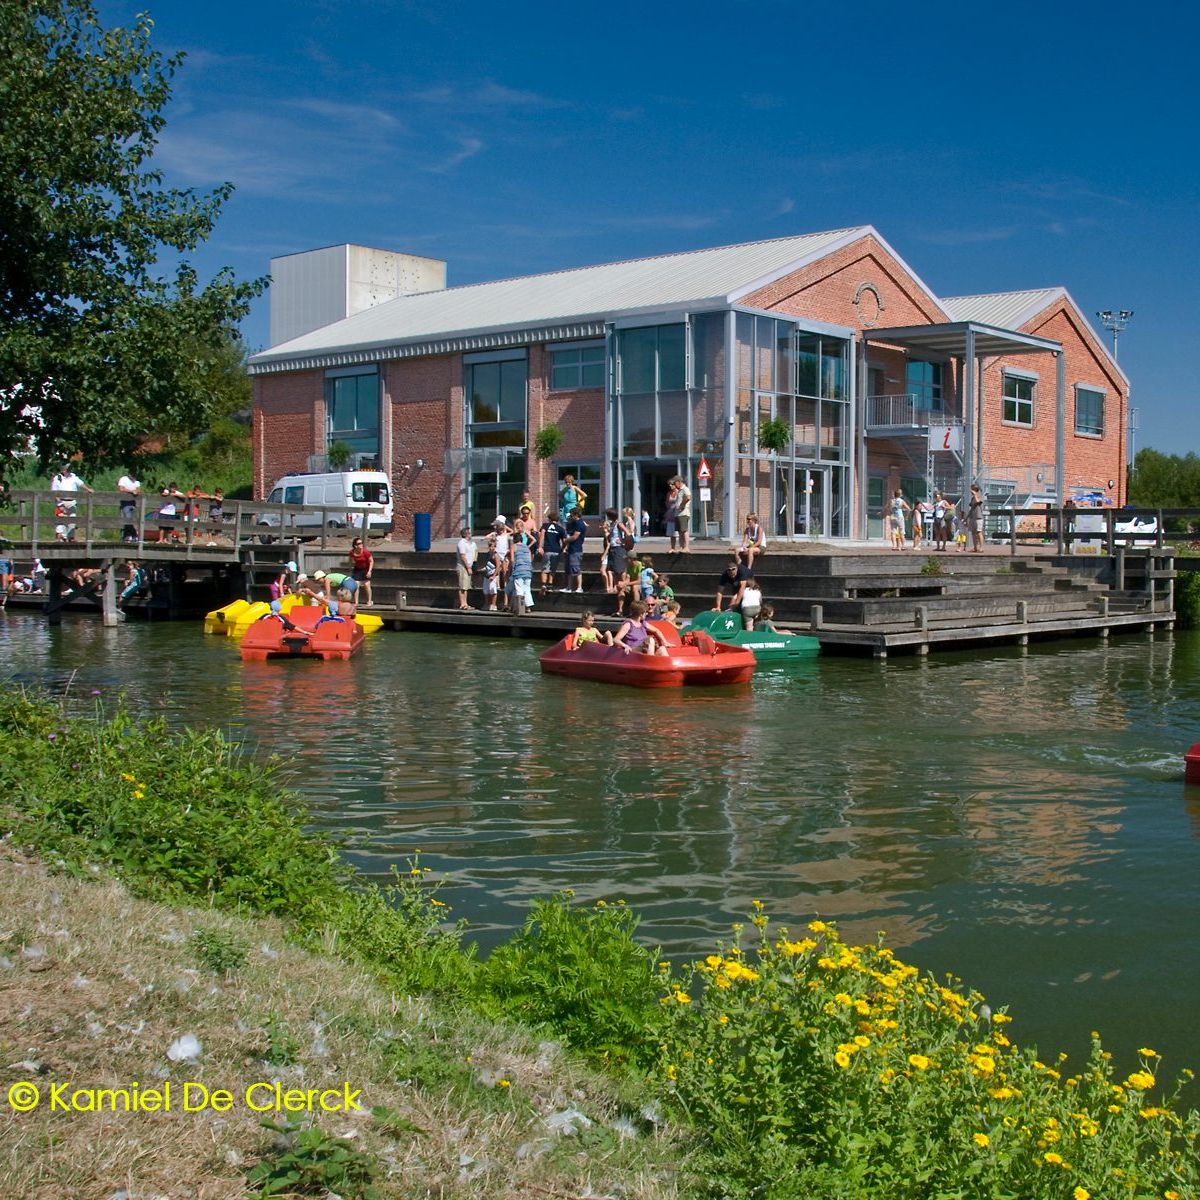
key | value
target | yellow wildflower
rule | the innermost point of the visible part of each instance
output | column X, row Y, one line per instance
column 503, row 1083
column 842, row 1059
column 1081, row 1193
column 1052, row 1158
column 128, row 778
column 817, row 926
column 919, row 1061
column 1140, row 1081
column 1003, row 1093
column 681, row 997
column 980, row 1139
column 138, row 794
column 722, row 1020
column 984, row 1066
column 1170, row 1194
column 1000, row 1018
column 861, row 1041
column 1148, row 1052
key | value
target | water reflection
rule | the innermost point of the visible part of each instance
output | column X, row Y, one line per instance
column 1015, row 816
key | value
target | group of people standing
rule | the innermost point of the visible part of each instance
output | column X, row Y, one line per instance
column 938, row 521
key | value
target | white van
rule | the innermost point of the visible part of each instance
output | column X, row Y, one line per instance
column 344, row 494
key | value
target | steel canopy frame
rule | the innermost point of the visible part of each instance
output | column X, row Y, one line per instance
column 970, row 341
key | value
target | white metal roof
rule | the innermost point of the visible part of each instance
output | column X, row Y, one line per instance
column 1005, row 310
column 563, row 297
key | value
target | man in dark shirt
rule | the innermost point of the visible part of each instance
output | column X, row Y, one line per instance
column 576, row 532
column 731, row 584
column 551, row 537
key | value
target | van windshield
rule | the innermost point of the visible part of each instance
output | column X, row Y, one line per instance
column 369, row 493
column 275, row 496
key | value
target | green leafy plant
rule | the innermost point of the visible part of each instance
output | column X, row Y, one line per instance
column 547, row 442
column 309, row 1162
column 219, row 952
column 932, row 566
column 579, row 970
column 775, row 435
column 282, row 1048
column 337, row 455
column 820, row 1069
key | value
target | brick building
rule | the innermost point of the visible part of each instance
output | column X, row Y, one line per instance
column 649, row 366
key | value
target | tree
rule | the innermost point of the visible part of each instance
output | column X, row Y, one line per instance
column 98, row 347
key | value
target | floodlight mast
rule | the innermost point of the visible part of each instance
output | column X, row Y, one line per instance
column 1115, row 321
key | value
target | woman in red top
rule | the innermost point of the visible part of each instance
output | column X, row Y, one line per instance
column 362, row 563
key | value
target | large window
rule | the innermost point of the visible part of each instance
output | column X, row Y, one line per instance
column 1019, row 394
column 587, row 477
column 496, row 391
column 1089, row 412
column 923, row 381
column 574, row 367
column 651, row 359
column 352, row 412
column 495, row 396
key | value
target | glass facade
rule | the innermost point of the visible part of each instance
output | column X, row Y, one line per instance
column 1089, row 412
column 791, row 375
column 669, row 409
column 923, row 381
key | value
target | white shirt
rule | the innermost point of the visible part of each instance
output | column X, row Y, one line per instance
column 468, row 552
column 127, row 483
column 70, row 482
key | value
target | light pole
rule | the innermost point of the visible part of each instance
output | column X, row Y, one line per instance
column 1115, row 323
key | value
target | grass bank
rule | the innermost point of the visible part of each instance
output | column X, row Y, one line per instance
column 785, row 1064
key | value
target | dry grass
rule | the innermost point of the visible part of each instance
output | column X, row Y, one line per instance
column 95, row 986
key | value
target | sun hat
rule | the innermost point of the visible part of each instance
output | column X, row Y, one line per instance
column 318, row 574
column 293, row 567
column 500, row 520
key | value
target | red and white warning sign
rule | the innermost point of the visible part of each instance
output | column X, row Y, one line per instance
column 703, row 471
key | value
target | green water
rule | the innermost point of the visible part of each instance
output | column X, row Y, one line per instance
column 1017, row 818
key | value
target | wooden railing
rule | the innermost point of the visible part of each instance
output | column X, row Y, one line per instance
column 91, row 524
column 1101, row 529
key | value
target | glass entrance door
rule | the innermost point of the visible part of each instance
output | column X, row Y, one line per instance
column 644, row 484
column 801, row 501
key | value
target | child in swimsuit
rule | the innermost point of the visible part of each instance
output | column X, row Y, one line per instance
column 587, row 632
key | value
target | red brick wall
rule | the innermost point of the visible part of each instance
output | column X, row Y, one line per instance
column 288, row 425
column 426, row 399
column 578, row 413
column 1087, row 461
column 825, row 290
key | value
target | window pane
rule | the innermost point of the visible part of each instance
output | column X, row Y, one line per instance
column 785, row 364
column 806, row 365
column 764, row 354
column 708, row 350
column 592, row 374
column 671, row 375
column 806, row 428
column 833, row 369
column 485, row 391
column 638, row 416
column 745, row 351
column 833, row 417
column 1089, row 411
column 367, row 407
column 672, row 424
column 512, row 391
column 636, row 353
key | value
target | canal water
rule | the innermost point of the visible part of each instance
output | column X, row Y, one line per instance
column 1019, row 819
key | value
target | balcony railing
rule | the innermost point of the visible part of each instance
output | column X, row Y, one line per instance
column 902, row 412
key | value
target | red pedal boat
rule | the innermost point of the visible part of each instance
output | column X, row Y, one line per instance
column 308, row 635
column 695, row 659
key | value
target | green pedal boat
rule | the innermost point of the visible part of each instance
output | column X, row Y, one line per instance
column 729, row 627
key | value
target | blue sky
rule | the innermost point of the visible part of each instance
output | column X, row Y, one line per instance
column 995, row 147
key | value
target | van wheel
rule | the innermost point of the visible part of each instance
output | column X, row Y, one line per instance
column 336, row 525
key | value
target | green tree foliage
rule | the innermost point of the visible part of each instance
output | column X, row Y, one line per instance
column 94, row 332
column 1165, row 480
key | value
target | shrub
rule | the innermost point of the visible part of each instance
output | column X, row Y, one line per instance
column 931, row 566
column 547, row 442
column 219, row 952
column 309, row 1162
column 826, row 1070
column 579, row 970
column 1187, row 599
column 774, row 434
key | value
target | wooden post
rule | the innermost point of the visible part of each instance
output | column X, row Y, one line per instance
column 1023, row 611
column 1060, row 530
column 53, row 608
column 87, row 530
column 921, row 617
column 110, row 614
column 1119, row 570
column 816, row 616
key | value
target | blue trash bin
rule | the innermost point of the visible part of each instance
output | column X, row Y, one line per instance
column 422, row 531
